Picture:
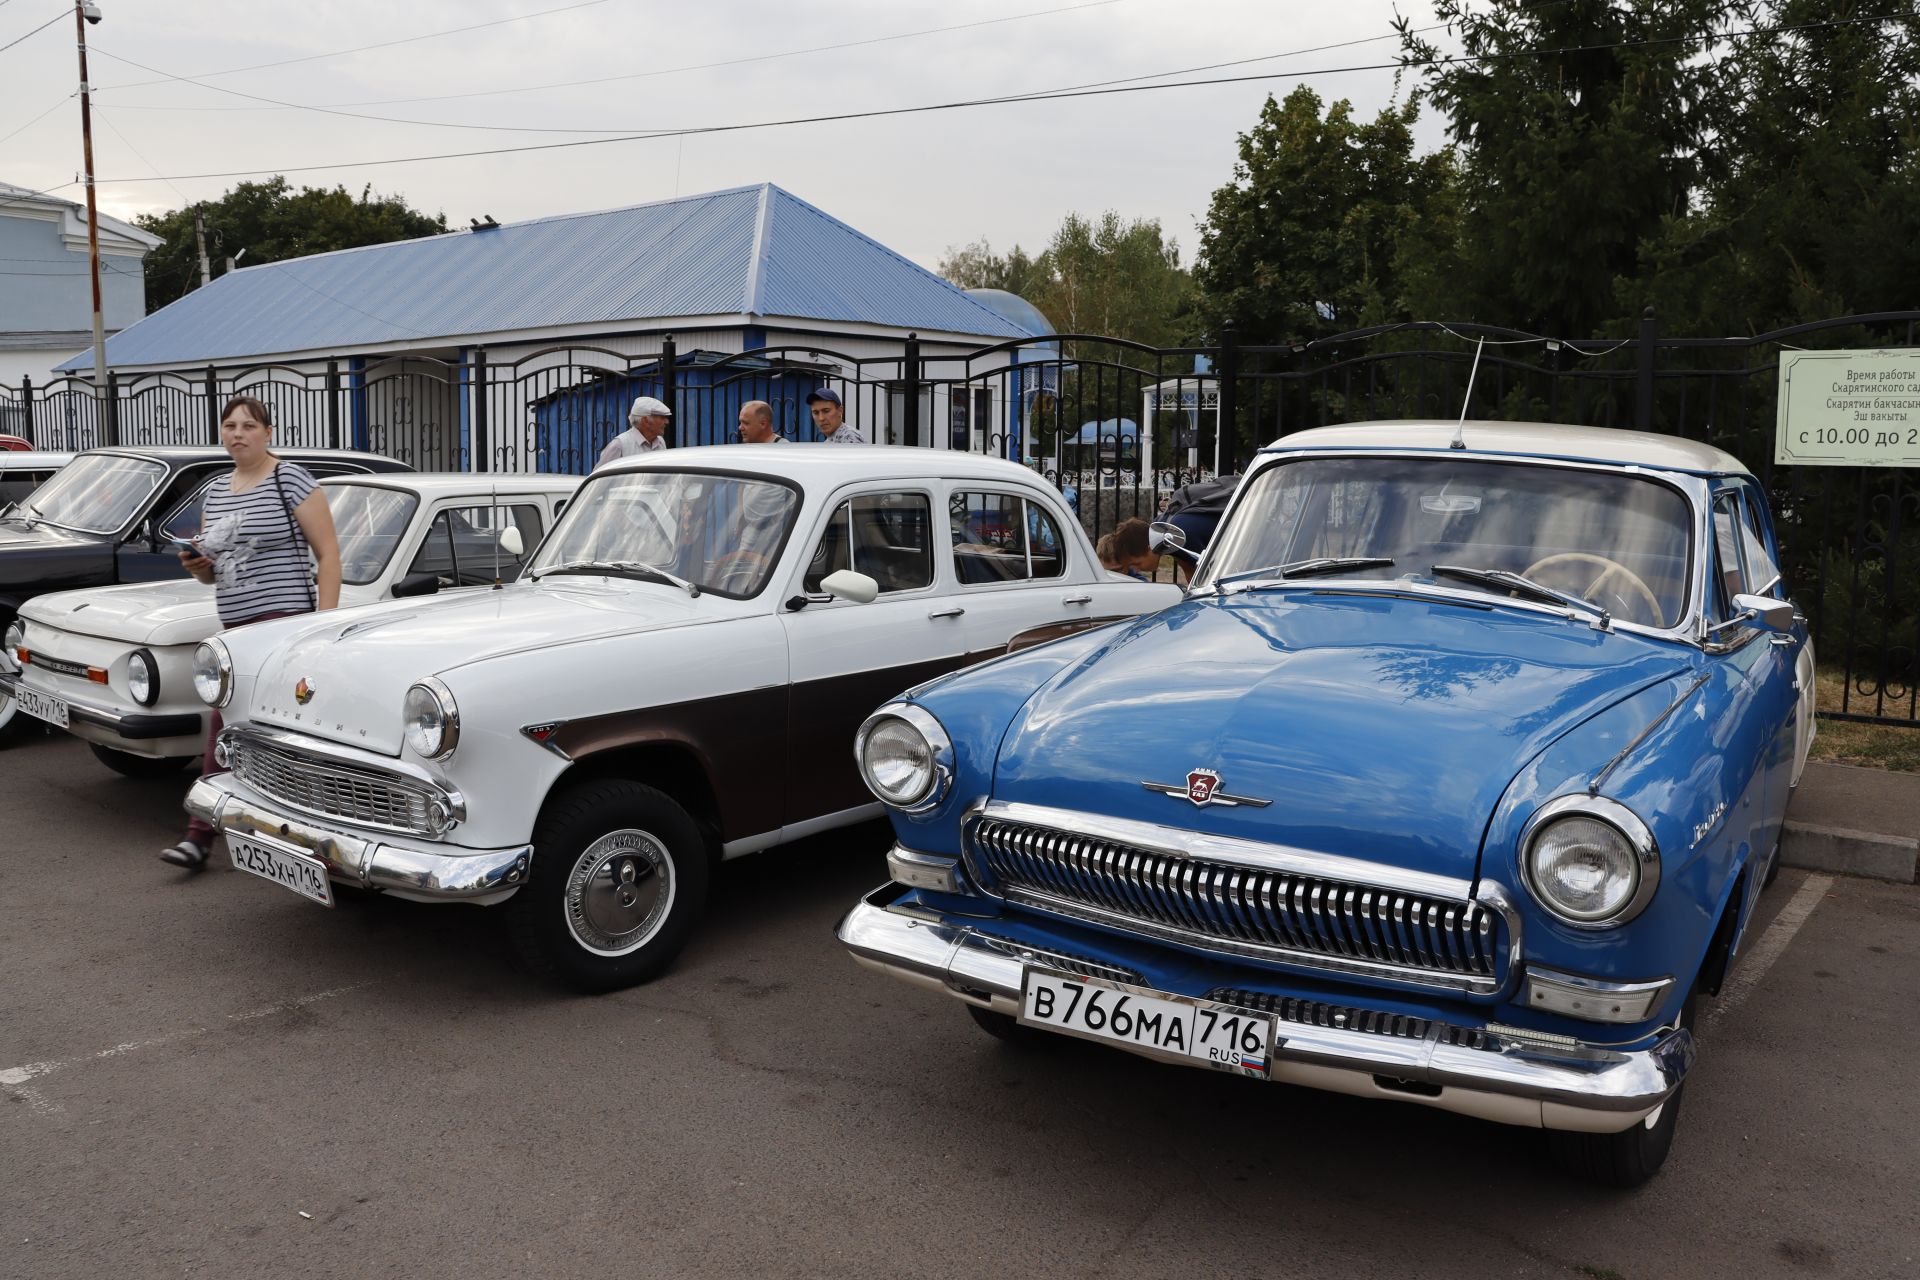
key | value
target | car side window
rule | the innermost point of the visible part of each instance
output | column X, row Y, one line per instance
column 1001, row 537
column 886, row 536
column 184, row 522
column 463, row 545
column 1729, row 579
column 15, row 485
column 1763, row 574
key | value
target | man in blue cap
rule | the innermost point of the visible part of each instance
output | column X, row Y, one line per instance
column 830, row 418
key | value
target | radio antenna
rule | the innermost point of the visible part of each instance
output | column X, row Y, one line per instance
column 1460, row 431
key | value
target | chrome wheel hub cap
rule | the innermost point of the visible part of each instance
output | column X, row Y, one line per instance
column 619, row 892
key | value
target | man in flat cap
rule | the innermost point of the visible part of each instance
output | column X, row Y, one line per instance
column 645, row 433
column 830, row 418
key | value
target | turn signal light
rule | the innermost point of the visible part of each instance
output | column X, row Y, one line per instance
column 97, row 674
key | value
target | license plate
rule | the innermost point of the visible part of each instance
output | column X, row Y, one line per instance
column 1179, row 1027
column 40, row 706
column 304, row 874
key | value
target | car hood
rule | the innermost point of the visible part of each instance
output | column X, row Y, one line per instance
column 1378, row 727
column 44, row 558
column 158, row 613
column 357, row 664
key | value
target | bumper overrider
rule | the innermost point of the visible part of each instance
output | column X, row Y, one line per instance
column 132, row 726
column 398, row 864
column 1508, row 1075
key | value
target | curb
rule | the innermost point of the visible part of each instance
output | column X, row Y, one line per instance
column 1852, row 853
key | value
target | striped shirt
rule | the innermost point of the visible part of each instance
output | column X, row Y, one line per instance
column 261, row 562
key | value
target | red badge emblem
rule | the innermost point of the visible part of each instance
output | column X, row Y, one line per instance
column 303, row 692
column 1203, row 788
column 1201, row 784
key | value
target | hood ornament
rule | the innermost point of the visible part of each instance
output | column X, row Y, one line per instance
column 1203, row 788
column 303, row 692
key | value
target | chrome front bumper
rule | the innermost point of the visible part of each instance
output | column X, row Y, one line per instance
column 407, row 868
column 133, row 726
column 1511, row 1077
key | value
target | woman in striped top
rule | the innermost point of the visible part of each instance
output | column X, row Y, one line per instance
column 267, row 547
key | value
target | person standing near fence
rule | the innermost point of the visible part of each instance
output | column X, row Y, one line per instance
column 645, row 433
column 267, row 547
column 830, row 418
column 756, row 424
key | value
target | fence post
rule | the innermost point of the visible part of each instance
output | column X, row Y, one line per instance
column 669, row 388
column 110, row 425
column 910, row 382
column 333, row 404
column 1643, row 382
column 213, row 406
column 477, row 450
column 26, row 409
column 1226, row 417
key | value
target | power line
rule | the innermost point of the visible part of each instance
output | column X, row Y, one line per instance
column 1041, row 96
column 139, row 155
column 341, row 53
column 668, row 71
column 60, row 102
column 36, row 31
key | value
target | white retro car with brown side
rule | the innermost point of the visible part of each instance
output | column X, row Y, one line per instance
column 113, row 665
column 676, row 679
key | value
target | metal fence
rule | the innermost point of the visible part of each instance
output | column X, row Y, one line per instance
column 1115, row 424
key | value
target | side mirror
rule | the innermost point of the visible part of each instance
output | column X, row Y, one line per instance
column 416, row 584
column 511, row 543
column 848, row 585
column 1765, row 613
column 1169, row 539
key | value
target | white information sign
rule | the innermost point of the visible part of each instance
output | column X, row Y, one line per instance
column 1849, row 409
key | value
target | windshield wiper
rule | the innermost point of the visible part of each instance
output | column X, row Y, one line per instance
column 1519, row 582
column 1316, row 567
column 632, row 568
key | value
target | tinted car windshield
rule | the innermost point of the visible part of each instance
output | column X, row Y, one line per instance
column 370, row 522
column 1618, row 540
column 97, row 492
column 719, row 532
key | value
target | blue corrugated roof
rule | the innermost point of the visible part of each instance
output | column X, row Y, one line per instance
column 752, row 251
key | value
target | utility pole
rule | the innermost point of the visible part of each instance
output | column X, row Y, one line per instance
column 85, row 11
column 200, row 246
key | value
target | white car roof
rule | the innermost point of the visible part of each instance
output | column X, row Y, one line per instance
column 436, row 484
column 32, row 459
column 822, row 464
column 1532, row 439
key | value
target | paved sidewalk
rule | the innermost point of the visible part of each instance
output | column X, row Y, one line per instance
column 1861, row 822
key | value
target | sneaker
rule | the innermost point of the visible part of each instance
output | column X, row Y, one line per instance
column 186, row 853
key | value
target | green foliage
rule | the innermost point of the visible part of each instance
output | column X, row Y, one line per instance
column 272, row 222
column 1322, row 222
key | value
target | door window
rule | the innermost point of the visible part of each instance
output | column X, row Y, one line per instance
column 1729, row 579
column 1763, row 575
column 886, row 536
column 1002, row 537
column 463, row 545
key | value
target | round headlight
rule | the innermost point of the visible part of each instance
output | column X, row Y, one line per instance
column 143, row 678
column 213, row 673
column 16, row 637
column 905, row 757
column 1591, row 861
column 432, row 720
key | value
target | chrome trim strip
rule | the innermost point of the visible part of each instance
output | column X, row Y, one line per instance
column 376, row 864
column 306, row 744
column 1570, row 993
column 1582, row 1077
column 1179, row 842
column 1593, row 785
column 923, row 870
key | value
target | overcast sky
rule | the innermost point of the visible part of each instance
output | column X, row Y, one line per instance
column 920, row 183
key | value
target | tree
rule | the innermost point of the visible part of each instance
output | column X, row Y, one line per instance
column 272, row 222
column 1310, row 237
column 977, row 266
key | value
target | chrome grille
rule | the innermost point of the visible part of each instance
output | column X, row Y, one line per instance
column 1318, row 1013
column 358, row 794
column 1279, row 915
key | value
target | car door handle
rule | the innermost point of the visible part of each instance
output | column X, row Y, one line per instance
column 1076, row 599
column 954, row 612
column 1785, row 642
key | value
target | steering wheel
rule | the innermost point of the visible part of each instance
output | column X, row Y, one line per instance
column 1609, row 570
column 737, row 567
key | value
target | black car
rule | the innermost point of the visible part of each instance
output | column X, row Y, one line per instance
column 107, row 515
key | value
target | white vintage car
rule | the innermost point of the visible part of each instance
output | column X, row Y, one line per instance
column 113, row 665
column 676, row 679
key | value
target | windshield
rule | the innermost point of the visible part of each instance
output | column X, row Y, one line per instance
column 97, row 492
column 370, row 522
column 1620, row 541
column 719, row 532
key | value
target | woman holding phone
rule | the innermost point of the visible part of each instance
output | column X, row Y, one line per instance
column 268, row 549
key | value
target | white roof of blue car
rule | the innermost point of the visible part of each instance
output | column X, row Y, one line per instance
column 1525, row 439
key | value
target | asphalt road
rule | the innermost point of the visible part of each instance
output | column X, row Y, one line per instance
column 209, row 1076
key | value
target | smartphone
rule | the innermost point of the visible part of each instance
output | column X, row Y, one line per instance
column 181, row 544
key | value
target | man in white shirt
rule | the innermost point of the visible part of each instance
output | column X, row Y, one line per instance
column 756, row 424
column 830, row 418
column 645, row 434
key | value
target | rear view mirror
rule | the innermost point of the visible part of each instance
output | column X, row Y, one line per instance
column 416, row 584
column 511, row 543
column 1764, row 613
column 848, row 585
column 1168, row 539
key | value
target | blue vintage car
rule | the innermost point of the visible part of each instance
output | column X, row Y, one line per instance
column 1454, row 779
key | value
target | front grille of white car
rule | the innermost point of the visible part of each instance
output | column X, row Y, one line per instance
column 360, row 794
